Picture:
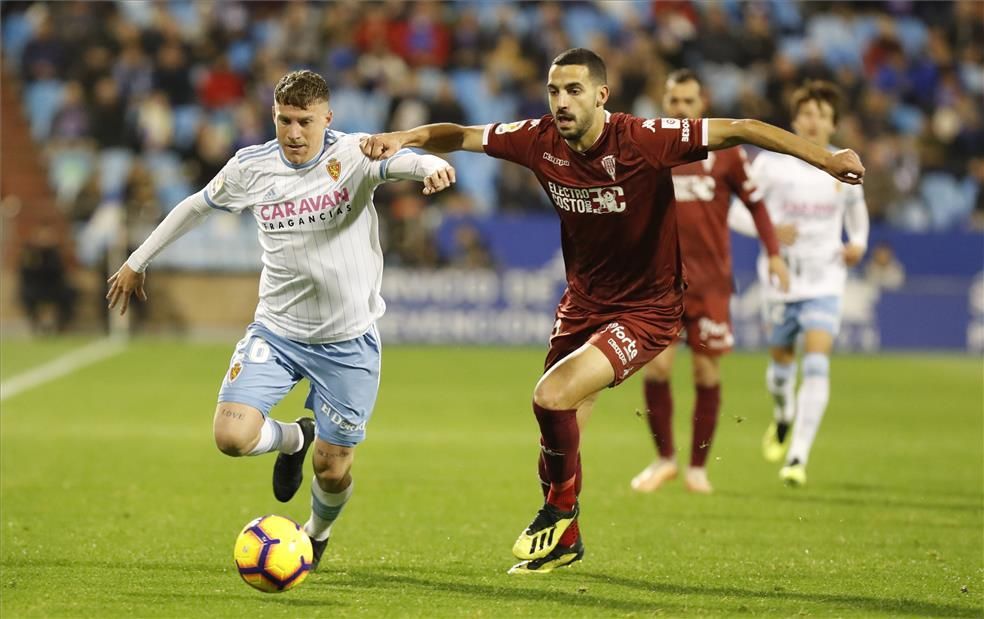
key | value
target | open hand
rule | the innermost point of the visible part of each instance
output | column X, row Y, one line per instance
column 845, row 166
column 780, row 272
column 439, row 180
column 852, row 254
column 122, row 284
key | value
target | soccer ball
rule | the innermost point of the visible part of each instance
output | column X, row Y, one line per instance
column 273, row 554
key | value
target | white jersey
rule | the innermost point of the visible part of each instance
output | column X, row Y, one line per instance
column 819, row 206
column 322, row 261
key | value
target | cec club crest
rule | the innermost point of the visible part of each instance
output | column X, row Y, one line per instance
column 234, row 371
column 334, row 168
column 608, row 162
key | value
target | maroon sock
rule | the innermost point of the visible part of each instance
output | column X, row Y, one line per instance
column 705, row 420
column 541, row 466
column 578, row 477
column 541, row 469
column 560, row 440
column 659, row 402
column 570, row 535
column 573, row 531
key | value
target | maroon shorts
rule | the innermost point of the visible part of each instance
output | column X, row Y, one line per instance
column 707, row 322
column 629, row 339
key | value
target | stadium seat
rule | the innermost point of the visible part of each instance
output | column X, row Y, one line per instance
column 465, row 83
column 837, row 40
column 794, row 47
column 114, row 167
column 912, row 35
column 355, row 111
column 727, row 80
column 583, row 24
column 907, row 119
column 185, row 12
column 475, row 175
column 786, row 15
column 43, row 99
column 137, row 13
column 16, row 31
column 172, row 186
column 187, row 119
column 949, row 201
column 68, row 171
column 241, row 54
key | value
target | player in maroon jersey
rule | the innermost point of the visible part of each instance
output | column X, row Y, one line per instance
column 608, row 176
column 703, row 192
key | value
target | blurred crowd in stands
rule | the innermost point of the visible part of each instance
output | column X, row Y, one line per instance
column 137, row 104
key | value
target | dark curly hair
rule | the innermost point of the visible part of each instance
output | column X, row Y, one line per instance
column 301, row 89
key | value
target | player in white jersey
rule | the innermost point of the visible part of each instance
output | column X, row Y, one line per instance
column 821, row 208
column 310, row 192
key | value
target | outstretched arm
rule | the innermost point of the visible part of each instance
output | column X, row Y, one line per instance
column 435, row 173
column 844, row 165
column 129, row 278
column 437, row 138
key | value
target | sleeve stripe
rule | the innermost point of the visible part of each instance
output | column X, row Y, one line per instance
column 266, row 150
column 485, row 134
column 213, row 204
column 703, row 130
column 385, row 164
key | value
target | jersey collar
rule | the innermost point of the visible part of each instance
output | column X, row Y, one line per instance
column 330, row 138
column 599, row 140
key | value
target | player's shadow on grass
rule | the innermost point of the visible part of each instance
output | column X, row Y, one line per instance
column 285, row 600
column 924, row 489
column 399, row 579
column 857, row 602
column 883, row 502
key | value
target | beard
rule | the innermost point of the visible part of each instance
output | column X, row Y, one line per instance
column 575, row 131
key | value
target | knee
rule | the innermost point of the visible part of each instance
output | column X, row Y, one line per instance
column 553, row 396
column 706, row 374
column 816, row 365
column 782, row 355
column 233, row 443
column 657, row 372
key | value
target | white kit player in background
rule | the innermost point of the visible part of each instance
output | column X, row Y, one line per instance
column 820, row 208
column 310, row 192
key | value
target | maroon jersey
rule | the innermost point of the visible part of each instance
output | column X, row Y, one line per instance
column 615, row 201
column 703, row 194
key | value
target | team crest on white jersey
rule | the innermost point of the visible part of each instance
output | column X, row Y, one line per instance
column 334, row 168
column 217, row 183
column 608, row 162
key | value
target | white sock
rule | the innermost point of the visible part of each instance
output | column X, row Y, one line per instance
column 780, row 379
column 278, row 436
column 811, row 402
column 325, row 508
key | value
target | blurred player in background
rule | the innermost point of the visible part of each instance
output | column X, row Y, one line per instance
column 821, row 208
column 310, row 191
column 702, row 193
column 608, row 176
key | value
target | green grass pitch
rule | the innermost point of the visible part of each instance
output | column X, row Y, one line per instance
column 115, row 502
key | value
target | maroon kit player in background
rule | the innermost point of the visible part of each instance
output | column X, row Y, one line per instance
column 703, row 191
column 608, row 176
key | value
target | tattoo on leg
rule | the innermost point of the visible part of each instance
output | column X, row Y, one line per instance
column 231, row 413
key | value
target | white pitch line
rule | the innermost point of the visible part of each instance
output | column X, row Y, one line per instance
column 68, row 363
